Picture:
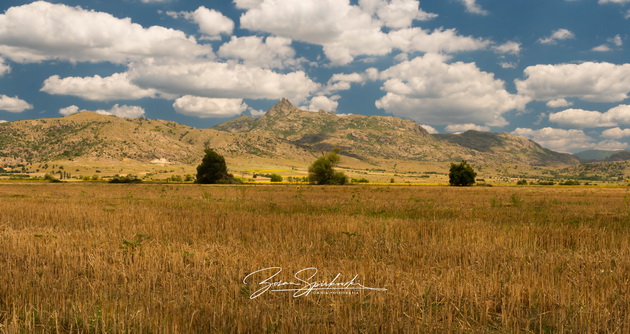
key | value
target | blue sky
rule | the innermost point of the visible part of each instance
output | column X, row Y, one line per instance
column 556, row 71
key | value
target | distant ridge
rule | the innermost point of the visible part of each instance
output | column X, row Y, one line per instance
column 284, row 132
column 602, row 155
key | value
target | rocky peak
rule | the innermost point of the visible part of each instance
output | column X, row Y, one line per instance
column 283, row 107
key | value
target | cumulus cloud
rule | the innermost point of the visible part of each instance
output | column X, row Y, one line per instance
column 60, row 32
column 612, row 43
column 429, row 129
column 324, row 103
column 473, row 7
column 203, row 107
column 578, row 118
column 342, row 81
column 558, row 103
column 67, row 111
column 465, row 127
column 123, row 111
column 507, row 64
column 271, row 52
column 211, row 22
column 616, row 133
column 346, row 31
column 13, row 104
column 619, row 115
column 557, row 139
column 97, row 88
column 589, row 81
column 4, row 68
column 509, row 47
column 612, row 145
column 602, row 48
column 396, row 13
column 221, row 80
column 440, row 40
column 429, row 89
column 558, row 35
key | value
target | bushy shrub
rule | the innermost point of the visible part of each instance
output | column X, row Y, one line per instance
column 125, row 179
column 322, row 171
column 213, row 169
column 461, row 174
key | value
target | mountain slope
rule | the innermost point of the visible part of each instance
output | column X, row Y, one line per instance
column 284, row 132
column 594, row 155
column 508, row 145
column 390, row 137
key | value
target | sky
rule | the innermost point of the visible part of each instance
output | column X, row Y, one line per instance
column 555, row 71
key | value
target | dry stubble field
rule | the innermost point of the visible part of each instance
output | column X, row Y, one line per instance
column 102, row 258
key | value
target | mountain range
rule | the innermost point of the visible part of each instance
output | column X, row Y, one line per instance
column 284, row 132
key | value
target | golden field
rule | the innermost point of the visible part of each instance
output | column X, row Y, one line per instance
column 151, row 258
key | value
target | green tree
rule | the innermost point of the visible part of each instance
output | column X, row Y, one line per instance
column 213, row 169
column 275, row 178
column 461, row 174
column 322, row 171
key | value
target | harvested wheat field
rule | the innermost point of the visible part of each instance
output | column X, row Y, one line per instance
column 104, row 258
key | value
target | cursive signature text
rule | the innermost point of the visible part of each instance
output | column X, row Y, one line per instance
column 304, row 283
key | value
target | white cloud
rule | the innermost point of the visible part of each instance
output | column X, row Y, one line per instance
column 13, row 104
column 589, row 81
column 602, row 48
column 508, row 65
column 473, row 7
column 154, row 1
column 344, row 30
column 221, row 80
column 613, row 1
column 616, row 133
column 3, row 121
column 60, row 32
column 578, row 118
column 4, row 68
column 123, row 111
column 428, row 89
column 557, row 139
column 203, row 107
column 429, row 129
column 256, row 112
column 558, row 103
column 612, row 145
column 67, row 111
column 616, row 41
column 613, row 43
column 324, row 103
column 619, row 115
column 97, row 88
column 558, row 35
column 341, row 81
column 438, row 41
column 509, row 47
column 272, row 52
column 465, row 127
column 627, row 15
column 211, row 22
column 396, row 13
